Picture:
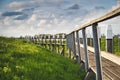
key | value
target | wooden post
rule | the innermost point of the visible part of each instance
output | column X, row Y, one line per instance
column 97, row 52
column 74, row 40
column 39, row 39
column 55, row 43
column 109, row 40
column 99, row 35
column 49, row 42
column 52, row 40
column 58, row 43
column 42, row 40
column 69, row 53
column 85, row 49
column 78, row 45
column 45, row 41
column 63, row 50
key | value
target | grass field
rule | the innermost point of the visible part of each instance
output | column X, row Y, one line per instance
column 23, row 60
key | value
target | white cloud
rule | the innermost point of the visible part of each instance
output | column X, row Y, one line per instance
column 23, row 4
column 41, row 23
column 17, row 4
column 7, row 21
column 32, row 19
column 48, row 16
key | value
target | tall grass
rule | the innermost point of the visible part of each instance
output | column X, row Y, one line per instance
column 23, row 60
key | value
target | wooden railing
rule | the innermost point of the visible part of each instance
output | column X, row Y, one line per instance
column 73, row 36
column 55, row 43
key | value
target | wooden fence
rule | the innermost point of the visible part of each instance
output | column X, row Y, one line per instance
column 55, row 43
column 73, row 40
column 73, row 36
column 114, row 44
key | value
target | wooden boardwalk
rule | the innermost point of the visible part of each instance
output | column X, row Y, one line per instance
column 110, row 70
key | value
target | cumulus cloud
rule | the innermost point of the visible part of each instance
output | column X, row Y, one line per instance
column 47, row 16
column 20, row 4
column 42, row 23
column 32, row 19
column 35, row 3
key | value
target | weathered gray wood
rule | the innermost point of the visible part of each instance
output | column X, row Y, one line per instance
column 74, row 43
column 58, row 49
column 97, row 52
column 69, row 53
column 55, row 43
column 63, row 50
column 78, row 45
column 85, row 49
column 50, row 44
column 70, row 41
column 107, row 16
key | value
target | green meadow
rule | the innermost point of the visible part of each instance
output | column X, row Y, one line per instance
column 22, row 60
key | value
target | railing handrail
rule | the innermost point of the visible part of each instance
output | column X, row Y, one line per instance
column 107, row 16
column 94, row 25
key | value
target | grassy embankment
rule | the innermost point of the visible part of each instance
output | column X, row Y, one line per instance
column 23, row 60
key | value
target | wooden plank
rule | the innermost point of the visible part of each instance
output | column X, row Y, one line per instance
column 107, row 16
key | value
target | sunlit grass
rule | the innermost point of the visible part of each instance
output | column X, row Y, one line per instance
column 23, row 60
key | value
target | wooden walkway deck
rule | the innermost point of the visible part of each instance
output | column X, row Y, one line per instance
column 111, row 70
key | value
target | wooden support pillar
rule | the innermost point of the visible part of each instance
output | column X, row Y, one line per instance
column 53, row 49
column 85, row 49
column 97, row 52
column 55, row 43
column 99, row 36
column 69, row 53
column 50, row 43
column 42, row 40
column 74, row 41
column 78, row 45
column 63, row 50
column 45, row 43
column 58, row 48
column 109, row 40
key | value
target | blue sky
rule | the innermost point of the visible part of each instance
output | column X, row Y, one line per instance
column 30, row 17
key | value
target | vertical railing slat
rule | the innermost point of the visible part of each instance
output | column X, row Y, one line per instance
column 97, row 52
column 74, row 40
column 78, row 45
column 85, row 49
